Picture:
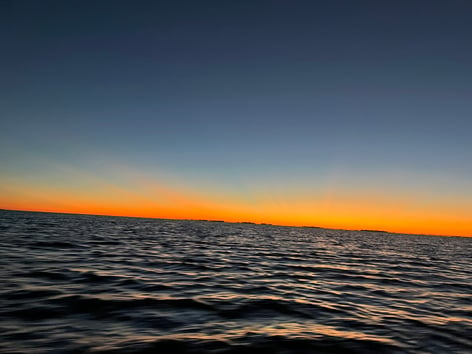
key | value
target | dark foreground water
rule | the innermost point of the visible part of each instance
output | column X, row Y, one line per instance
column 76, row 283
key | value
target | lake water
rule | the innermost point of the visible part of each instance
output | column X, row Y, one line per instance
column 78, row 283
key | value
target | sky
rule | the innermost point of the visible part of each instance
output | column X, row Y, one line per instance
column 342, row 114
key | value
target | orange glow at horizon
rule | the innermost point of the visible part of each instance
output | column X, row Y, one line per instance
column 142, row 196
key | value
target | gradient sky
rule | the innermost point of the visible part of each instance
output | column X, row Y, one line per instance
column 349, row 114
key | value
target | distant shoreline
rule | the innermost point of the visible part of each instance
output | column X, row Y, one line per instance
column 233, row 222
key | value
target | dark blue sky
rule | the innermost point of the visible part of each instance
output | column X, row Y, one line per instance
column 231, row 90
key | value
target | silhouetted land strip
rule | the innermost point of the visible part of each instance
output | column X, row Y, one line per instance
column 236, row 222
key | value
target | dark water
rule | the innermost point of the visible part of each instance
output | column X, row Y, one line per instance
column 74, row 283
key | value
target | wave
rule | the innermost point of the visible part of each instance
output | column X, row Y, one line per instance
column 121, row 285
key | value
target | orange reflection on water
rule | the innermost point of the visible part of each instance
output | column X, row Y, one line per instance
column 288, row 330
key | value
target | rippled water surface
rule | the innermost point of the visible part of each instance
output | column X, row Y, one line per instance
column 77, row 283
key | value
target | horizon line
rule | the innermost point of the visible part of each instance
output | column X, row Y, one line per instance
column 234, row 222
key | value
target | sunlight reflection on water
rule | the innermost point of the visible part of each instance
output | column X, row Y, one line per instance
column 75, row 283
